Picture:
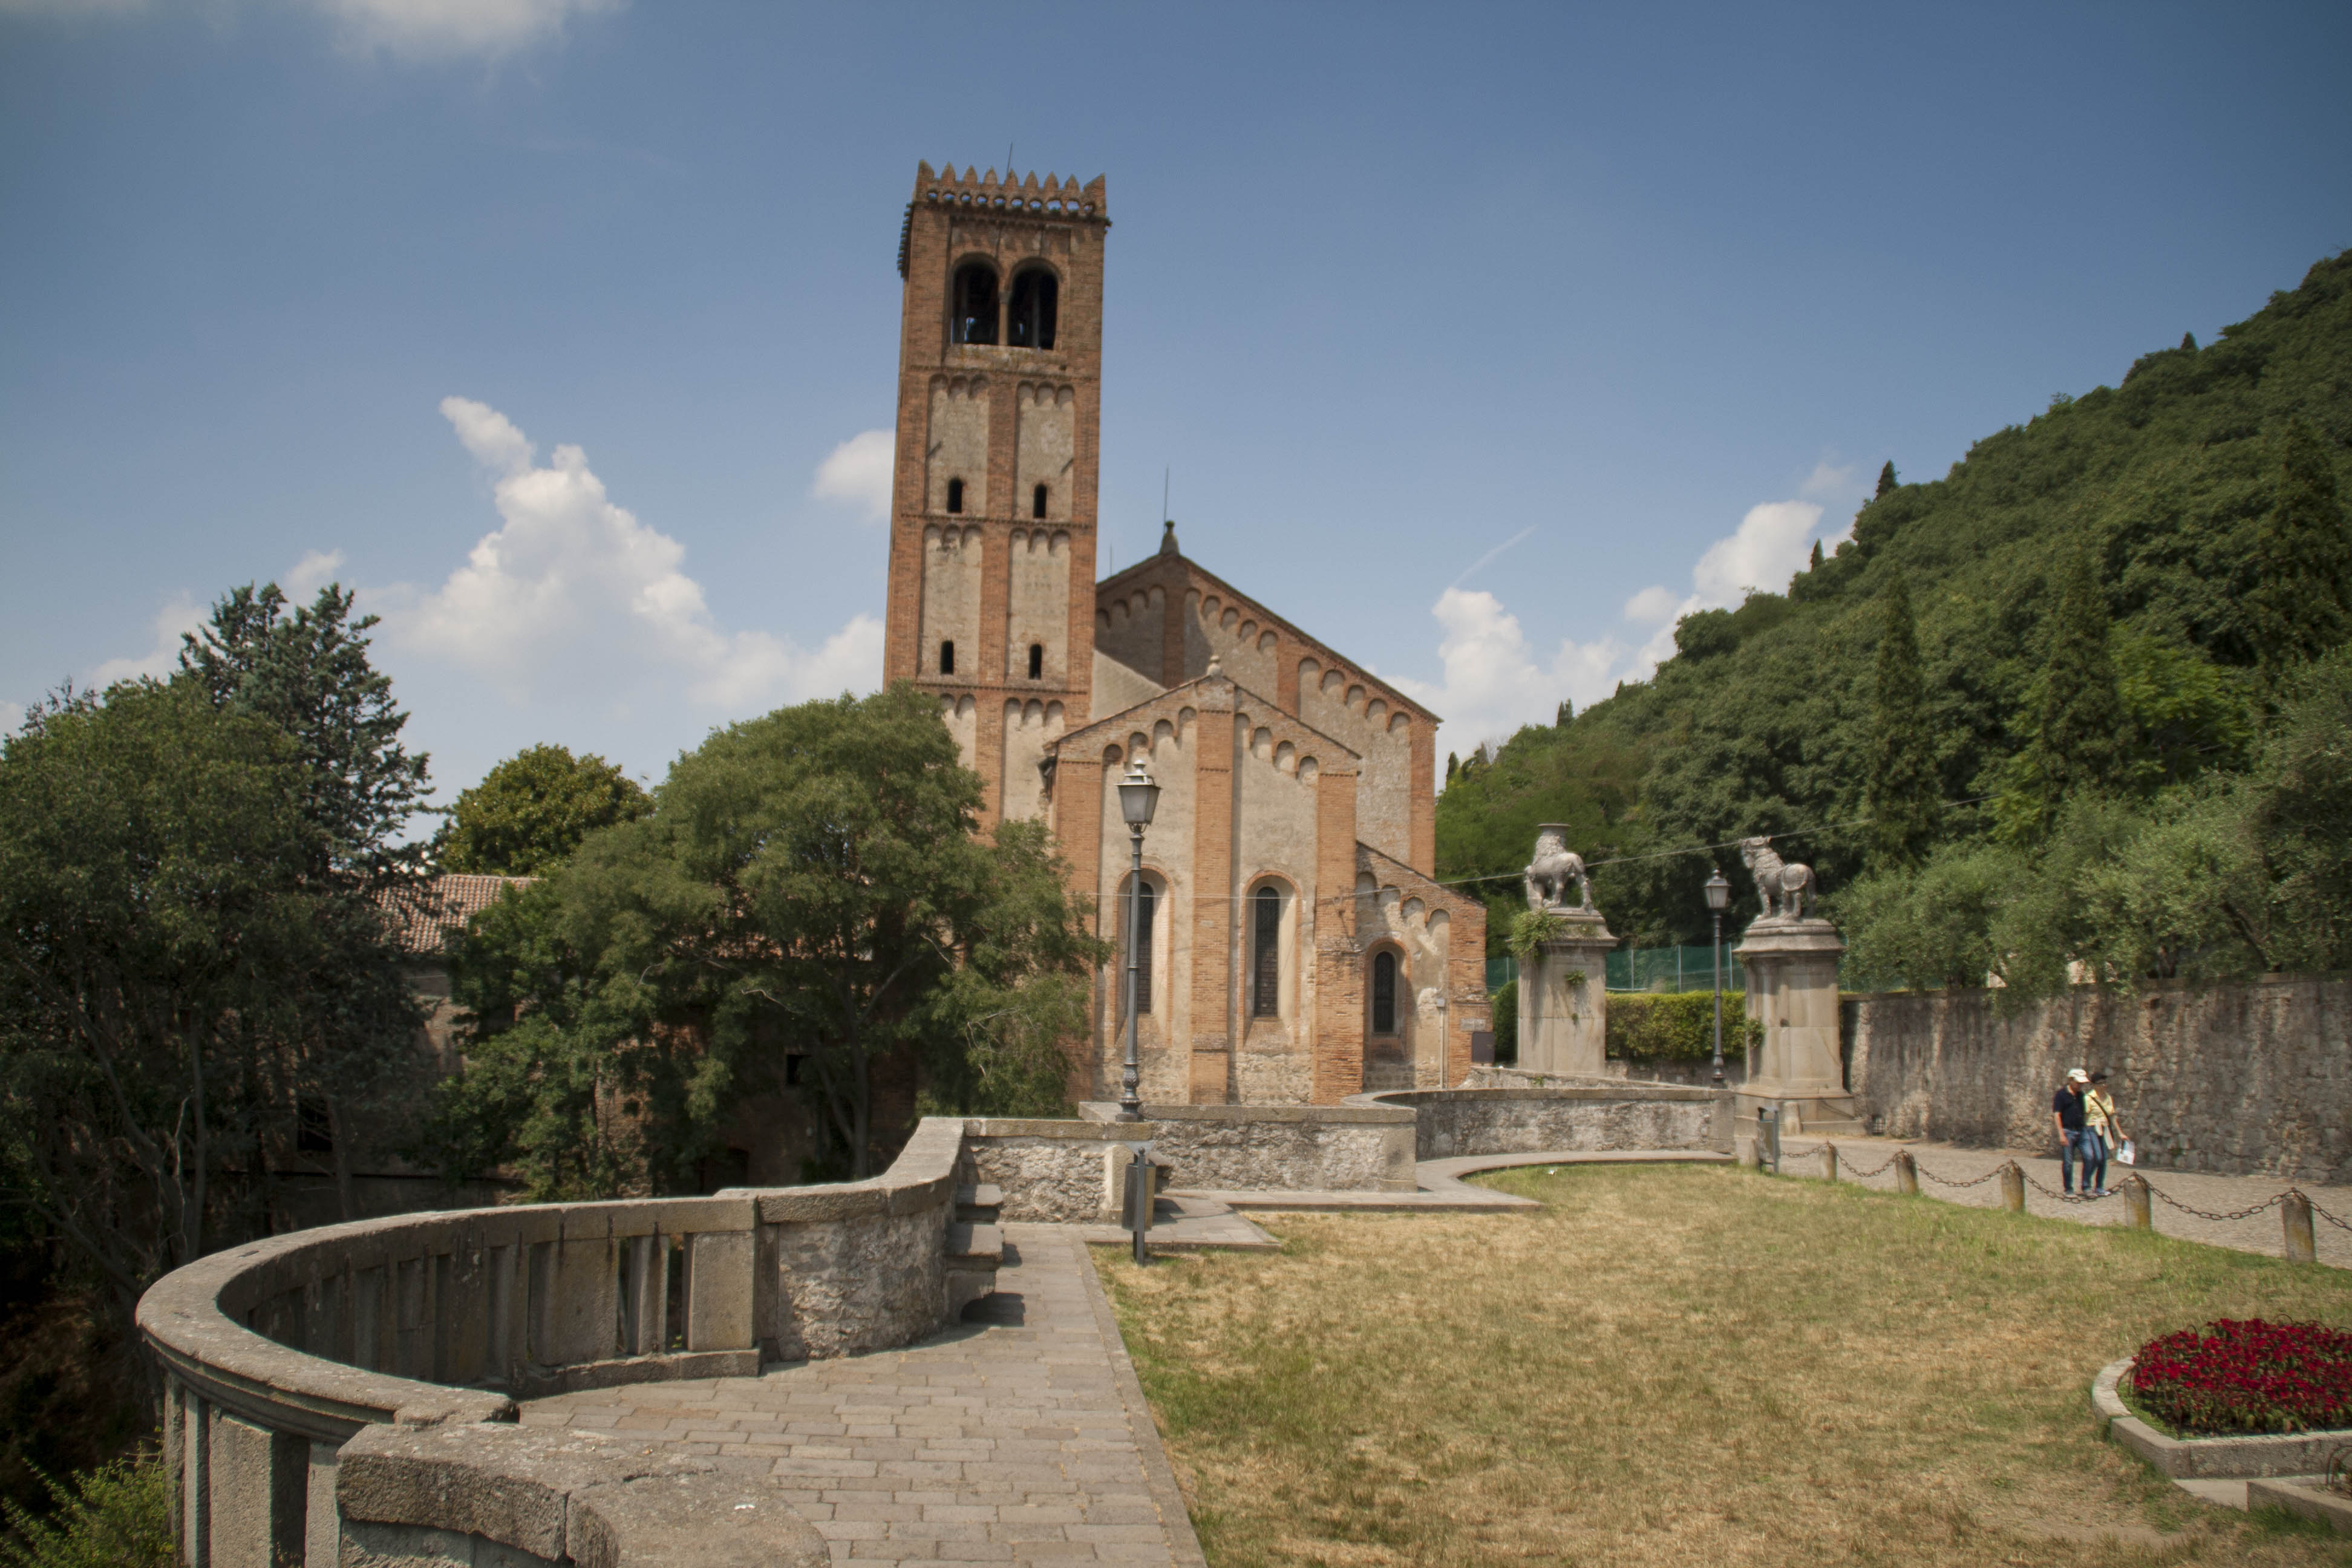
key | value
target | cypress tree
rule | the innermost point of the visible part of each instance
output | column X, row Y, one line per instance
column 1816, row 555
column 1560, row 716
column 1452, row 766
column 2188, row 341
column 2078, row 742
column 2301, row 603
column 1887, row 480
column 1905, row 801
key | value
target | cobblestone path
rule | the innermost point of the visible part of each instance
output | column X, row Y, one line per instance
column 2261, row 1232
column 1024, row 1440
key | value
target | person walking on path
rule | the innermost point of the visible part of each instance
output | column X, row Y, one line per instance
column 2106, row 1131
column 2074, row 1134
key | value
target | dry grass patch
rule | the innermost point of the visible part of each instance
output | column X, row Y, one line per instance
column 1687, row 1364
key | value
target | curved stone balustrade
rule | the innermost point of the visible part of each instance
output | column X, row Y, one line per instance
column 279, row 1354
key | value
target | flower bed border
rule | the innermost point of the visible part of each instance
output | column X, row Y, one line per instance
column 2210, row 1459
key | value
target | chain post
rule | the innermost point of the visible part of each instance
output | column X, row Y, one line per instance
column 1829, row 1163
column 2139, row 1213
column 2013, row 1187
column 1907, row 1173
column 2301, row 1246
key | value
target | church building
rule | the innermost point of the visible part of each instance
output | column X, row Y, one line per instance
column 1298, row 947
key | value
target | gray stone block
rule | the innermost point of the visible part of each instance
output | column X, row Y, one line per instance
column 719, row 1291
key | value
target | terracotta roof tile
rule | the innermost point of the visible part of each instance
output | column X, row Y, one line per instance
column 420, row 914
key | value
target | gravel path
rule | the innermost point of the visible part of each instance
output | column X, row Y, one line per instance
column 2264, row 1232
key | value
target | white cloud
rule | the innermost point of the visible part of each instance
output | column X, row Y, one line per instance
column 423, row 29
column 1494, row 683
column 572, row 594
column 180, row 616
column 313, row 571
column 859, row 471
column 12, row 715
column 1496, row 680
column 1832, row 481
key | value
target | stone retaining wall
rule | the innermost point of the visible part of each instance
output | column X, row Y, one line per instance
column 1455, row 1121
column 2251, row 1078
column 1061, row 1171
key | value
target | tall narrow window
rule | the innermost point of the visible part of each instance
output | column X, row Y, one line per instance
column 1036, row 661
column 1037, row 502
column 1384, row 994
column 975, row 321
column 1144, row 902
column 955, row 495
column 1030, row 322
column 1265, row 955
column 947, row 658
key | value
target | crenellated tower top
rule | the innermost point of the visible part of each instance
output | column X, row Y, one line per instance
column 1052, row 197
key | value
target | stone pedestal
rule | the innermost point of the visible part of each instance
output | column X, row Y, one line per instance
column 1793, row 989
column 1564, row 1000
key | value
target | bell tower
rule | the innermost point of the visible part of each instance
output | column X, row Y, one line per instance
column 991, row 601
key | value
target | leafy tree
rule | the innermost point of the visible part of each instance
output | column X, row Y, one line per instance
column 2301, row 602
column 153, row 917
column 2079, row 740
column 1905, row 796
column 306, row 671
column 2298, row 800
column 530, row 811
column 1814, row 564
column 1564, row 714
column 1887, row 482
column 808, row 881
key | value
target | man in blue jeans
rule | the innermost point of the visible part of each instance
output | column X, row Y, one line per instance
column 2073, row 1138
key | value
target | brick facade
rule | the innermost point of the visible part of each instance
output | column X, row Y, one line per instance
column 1298, row 790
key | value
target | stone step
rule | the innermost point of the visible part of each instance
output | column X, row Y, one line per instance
column 974, row 1254
column 979, row 1203
column 1380, row 1076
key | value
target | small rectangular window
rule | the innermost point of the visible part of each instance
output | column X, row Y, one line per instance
column 1144, row 902
column 955, row 495
column 1036, row 661
column 947, row 658
column 1265, row 936
column 1037, row 502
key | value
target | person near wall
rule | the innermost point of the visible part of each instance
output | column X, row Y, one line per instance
column 2106, row 1129
column 2073, row 1132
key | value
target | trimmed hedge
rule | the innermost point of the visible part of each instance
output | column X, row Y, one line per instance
column 1506, row 1025
column 1679, row 1025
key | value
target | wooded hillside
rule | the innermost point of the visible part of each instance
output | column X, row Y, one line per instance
column 2196, row 504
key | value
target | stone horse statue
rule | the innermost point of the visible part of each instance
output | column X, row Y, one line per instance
column 1785, row 887
column 1554, row 867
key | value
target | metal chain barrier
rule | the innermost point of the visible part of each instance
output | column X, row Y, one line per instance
column 2272, row 1202
column 2071, row 1197
column 1874, row 1170
column 2339, row 1224
column 1927, row 1175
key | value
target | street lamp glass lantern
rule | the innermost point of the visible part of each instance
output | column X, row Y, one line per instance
column 1139, row 797
column 1718, row 892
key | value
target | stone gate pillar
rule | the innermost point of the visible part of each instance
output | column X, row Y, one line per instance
column 1564, row 1000
column 1793, row 989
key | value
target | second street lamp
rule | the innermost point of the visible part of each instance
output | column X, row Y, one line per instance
column 1718, row 899
column 1139, row 797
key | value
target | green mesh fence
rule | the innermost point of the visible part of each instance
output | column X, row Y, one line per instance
column 1673, row 968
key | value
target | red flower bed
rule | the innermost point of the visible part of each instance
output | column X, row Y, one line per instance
column 2240, row 1377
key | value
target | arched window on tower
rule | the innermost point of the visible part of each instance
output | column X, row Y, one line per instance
column 947, row 658
column 1265, row 953
column 1037, row 502
column 1036, row 661
column 955, row 495
column 1384, row 994
column 974, row 304
column 1035, row 296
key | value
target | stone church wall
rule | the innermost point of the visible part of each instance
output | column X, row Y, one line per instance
column 1164, row 1035
column 1037, row 605
column 1336, row 703
column 1029, row 728
column 1044, row 452
column 1130, row 630
column 952, row 596
column 1275, row 791
column 958, row 448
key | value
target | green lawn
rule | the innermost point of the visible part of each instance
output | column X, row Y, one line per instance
column 1688, row 1364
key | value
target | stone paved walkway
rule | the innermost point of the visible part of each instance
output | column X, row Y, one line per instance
column 2262, row 1232
column 1024, row 1440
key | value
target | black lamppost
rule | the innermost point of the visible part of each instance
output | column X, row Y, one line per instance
column 1139, row 797
column 1718, row 899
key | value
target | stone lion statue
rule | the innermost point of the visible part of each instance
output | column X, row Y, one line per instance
column 1785, row 887
column 1554, row 867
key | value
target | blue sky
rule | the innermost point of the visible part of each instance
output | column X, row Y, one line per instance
column 1481, row 341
